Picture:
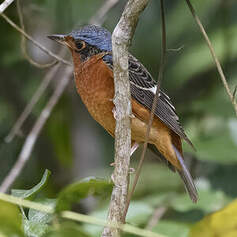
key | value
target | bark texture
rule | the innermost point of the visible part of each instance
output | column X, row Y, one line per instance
column 121, row 40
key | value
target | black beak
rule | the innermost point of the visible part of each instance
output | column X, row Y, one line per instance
column 58, row 38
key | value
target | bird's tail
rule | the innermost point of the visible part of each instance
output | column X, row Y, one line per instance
column 186, row 177
column 184, row 173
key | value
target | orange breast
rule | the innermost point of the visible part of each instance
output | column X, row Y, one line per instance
column 94, row 83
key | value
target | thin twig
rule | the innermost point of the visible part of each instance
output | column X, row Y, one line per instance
column 121, row 39
column 35, row 98
column 218, row 65
column 34, row 133
column 76, row 216
column 98, row 18
column 23, row 42
column 5, row 5
column 175, row 49
column 156, row 216
column 44, row 49
column 154, row 106
column 234, row 93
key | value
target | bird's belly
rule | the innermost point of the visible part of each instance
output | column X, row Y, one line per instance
column 101, row 111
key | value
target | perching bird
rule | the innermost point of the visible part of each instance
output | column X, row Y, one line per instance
column 91, row 49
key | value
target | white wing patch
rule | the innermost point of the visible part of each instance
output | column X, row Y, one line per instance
column 151, row 89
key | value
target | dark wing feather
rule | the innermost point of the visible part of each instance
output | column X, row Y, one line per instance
column 138, row 74
column 143, row 89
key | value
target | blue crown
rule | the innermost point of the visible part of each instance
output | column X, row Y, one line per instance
column 95, row 36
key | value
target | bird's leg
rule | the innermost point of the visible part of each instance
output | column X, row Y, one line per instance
column 134, row 147
column 114, row 112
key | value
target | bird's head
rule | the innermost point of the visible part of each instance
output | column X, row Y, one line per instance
column 86, row 41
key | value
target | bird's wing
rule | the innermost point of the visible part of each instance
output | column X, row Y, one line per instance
column 143, row 89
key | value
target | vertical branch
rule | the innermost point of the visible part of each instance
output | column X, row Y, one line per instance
column 154, row 105
column 121, row 39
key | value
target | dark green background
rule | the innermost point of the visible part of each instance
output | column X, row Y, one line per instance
column 74, row 146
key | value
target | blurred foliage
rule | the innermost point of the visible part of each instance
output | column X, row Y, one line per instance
column 75, row 192
column 10, row 220
column 221, row 223
column 30, row 193
column 73, row 146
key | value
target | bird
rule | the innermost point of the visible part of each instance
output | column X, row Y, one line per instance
column 91, row 49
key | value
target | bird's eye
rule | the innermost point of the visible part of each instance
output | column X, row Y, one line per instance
column 80, row 44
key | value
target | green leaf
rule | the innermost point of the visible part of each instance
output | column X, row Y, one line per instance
column 30, row 193
column 171, row 229
column 34, row 229
column 82, row 189
column 36, row 224
column 68, row 229
column 10, row 220
column 42, row 217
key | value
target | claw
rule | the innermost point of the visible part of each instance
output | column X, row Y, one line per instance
column 134, row 148
column 131, row 170
column 114, row 113
column 112, row 164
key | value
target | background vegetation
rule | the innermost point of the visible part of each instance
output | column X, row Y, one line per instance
column 73, row 146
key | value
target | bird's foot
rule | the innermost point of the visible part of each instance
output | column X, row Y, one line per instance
column 112, row 164
column 114, row 113
column 131, row 170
